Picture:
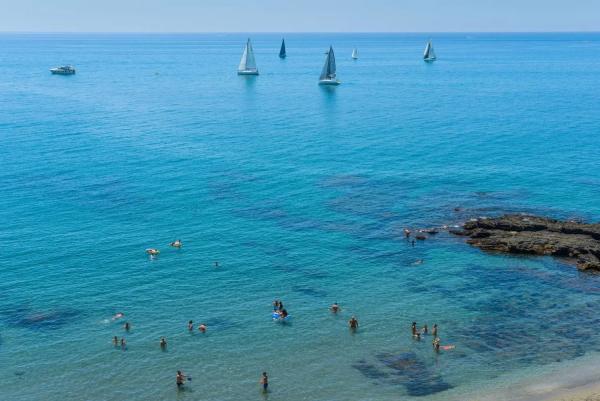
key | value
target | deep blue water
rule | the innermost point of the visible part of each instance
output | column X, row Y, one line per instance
column 301, row 193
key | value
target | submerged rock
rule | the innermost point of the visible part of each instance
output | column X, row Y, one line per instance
column 524, row 234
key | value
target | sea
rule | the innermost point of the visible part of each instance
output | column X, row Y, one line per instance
column 281, row 189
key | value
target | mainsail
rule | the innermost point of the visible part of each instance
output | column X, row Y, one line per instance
column 247, row 63
column 282, row 53
column 355, row 54
column 328, row 72
column 429, row 52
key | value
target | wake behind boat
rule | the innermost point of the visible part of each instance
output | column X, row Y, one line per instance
column 429, row 54
column 248, row 63
column 63, row 70
column 328, row 74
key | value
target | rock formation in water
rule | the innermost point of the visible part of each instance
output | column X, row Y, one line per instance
column 574, row 241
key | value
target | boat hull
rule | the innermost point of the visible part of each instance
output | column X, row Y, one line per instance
column 248, row 72
column 429, row 60
column 55, row 72
column 329, row 82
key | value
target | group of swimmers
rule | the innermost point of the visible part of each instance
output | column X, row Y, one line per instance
column 417, row 334
column 279, row 312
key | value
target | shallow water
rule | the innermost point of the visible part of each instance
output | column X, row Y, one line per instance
column 301, row 193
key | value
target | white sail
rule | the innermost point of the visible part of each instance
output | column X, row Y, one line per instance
column 355, row 54
column 328, row 72
column 248, row 62
column 429, row 53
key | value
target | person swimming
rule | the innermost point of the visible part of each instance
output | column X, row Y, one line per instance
column 276, row 305
column 163, row 343
column 123, row 344
column 180, row 379
column 176, row 244
column 283, row 314
column 202, row 328
column 126, row 326
column 406, row 233
column 353, row 323
column 434, row 333
column 425, row 330
column 115, row 341
column 118, row 315
column 335, row 308
column 264, row 380
column 152, row 251
column 216, row 264
column 414, row 328
column 190, row 325
column 436, row 344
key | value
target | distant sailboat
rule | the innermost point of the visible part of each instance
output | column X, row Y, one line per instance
column 355, row 54
column 328, row 76
column 429, row 54
column 282, row 53
column 248, row 63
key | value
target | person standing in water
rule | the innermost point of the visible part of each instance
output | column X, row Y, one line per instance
column 202, row 328
column 126, row 326
column 425, row 330
column 353, row 323
column 190, row 326
column 264, row 380
column 163, row 343
column 436, row 344
column 414, row 328
column 335, row 308
column 180, row 379
column 123, row 344
column 115, row 341
column 434, row 333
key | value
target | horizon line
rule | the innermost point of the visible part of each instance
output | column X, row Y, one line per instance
column 289, row 32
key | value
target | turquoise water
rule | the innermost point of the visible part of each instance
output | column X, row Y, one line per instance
column 301, row 193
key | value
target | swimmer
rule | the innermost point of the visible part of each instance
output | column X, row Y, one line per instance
column 176, row 244
column 276, row 305
column 118, row 315
column 434, row 333
column 414, row 328
column 335, row 308
column 123, row 344
column 180, row 379
column 353, row 323
column 284, row 314
column 216, row 264
column 264, row 380
column 417, row 262
column 152, row 251
column 280, row 306
column 126, row 326
column 425, row 330
column 115, row 341
column 163, row 343
column 202, row 328
column 436, row 344
column 406, row 233
column 190, row 325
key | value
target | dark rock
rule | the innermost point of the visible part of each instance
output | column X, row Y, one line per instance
column 524, row 234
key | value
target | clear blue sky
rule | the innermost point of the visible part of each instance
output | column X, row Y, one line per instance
column 298, row 15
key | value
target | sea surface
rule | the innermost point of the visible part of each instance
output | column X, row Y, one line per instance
column 300, row 193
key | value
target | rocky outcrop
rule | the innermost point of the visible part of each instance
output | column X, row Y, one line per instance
column 575, row 241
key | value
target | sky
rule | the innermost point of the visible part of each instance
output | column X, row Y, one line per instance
column 299, row 15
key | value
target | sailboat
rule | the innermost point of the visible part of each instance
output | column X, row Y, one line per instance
column 328, row 73
column 429, row 54
column 248, row 63
column 355, row 54
column 282, row 53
